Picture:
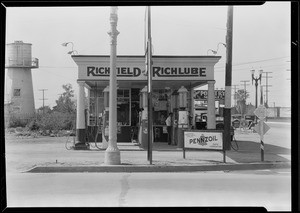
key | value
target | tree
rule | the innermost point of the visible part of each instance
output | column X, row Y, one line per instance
column 65, row 104
column 241, row 97
column 45, row 109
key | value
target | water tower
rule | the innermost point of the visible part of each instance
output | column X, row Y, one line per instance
column 19, row 63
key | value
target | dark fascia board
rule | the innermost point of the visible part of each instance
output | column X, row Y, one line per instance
column 141, row 56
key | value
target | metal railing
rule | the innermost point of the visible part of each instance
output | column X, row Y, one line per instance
column 33, row 63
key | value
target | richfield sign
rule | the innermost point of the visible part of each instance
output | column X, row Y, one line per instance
column 157, row 71
column 133, row 68
column 203, row 140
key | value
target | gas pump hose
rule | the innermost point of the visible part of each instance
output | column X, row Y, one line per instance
column 237, row 146
column 66, row 144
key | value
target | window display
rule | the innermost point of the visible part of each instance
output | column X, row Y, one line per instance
column 123, row 107
column 161, row 102
column 96, row 106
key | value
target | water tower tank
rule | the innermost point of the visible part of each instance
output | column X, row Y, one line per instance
column 19, row 63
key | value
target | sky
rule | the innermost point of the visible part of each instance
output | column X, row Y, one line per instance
column 261, row 40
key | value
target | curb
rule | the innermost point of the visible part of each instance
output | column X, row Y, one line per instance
column 154, row 168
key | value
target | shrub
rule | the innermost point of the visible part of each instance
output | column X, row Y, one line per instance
column 50, row 121
column 32, row 125
column 15, row 121
column 55, row 121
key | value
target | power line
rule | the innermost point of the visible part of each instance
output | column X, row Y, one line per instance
column 245, row 87
column 276, row 65
column 250, row 62
column 234, row 93
column 57, row 67
column 267, row 85
column 43, row 99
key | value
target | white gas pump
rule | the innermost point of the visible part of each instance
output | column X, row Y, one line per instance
column 143, row 129
column 174, row 103
column 105, row 116
column 183, row 115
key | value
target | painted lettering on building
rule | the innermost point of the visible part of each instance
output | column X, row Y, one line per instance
column 179, row 71
column 201, row 95
column 157, row 71
column 121, row 71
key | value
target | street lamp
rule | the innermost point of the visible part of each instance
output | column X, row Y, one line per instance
column 72, row 51
column 222, row 44
column 216, row 51
column 213, row 51
column 256, row 79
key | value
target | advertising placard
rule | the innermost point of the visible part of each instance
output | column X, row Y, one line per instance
column 203, row 140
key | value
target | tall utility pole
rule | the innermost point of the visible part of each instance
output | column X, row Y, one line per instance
column 43, row 99
column 266, row 91
column 245, row 88
column 228, row 79
column 149, row 71
column 235, row 87
column 267, row 85
column 112, row 153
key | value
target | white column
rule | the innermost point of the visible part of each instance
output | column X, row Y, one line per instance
column 211, row 111
column 192, row 106
column 80, row 119
column 80, row 106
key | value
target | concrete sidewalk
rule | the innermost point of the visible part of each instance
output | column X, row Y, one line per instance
column 49, row 154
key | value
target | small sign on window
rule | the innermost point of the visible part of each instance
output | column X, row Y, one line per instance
column 17, row 92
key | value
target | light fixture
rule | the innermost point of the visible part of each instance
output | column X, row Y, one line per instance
column 72, row 52
column 216, row 51
column 213, row 51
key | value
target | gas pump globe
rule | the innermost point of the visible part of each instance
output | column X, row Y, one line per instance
column 106, row 96
column 182, row 115
column 182, row 97
column 174, row 104
column 144, row 98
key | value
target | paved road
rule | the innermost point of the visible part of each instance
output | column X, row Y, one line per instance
column 270, row 189
column 278, row 135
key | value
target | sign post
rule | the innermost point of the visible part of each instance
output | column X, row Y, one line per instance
column 261, row 128
column 207, row 140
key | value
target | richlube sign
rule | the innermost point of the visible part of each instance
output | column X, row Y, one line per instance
column 157, row 71
column 133, row 68
column 203, row 140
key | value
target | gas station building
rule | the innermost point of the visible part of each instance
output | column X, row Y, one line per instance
column 174, row 80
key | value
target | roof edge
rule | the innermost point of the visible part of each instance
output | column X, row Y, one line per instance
column 142, row 56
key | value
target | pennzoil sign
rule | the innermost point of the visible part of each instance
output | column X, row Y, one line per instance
column 203, row 140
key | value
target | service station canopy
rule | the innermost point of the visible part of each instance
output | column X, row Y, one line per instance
column 168, row 71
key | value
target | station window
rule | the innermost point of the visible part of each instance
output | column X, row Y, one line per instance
column 123, row 107
column 17, row 92
column 161, row 102
column 96, row 106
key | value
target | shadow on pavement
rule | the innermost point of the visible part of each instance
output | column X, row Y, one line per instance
column 249, row 151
